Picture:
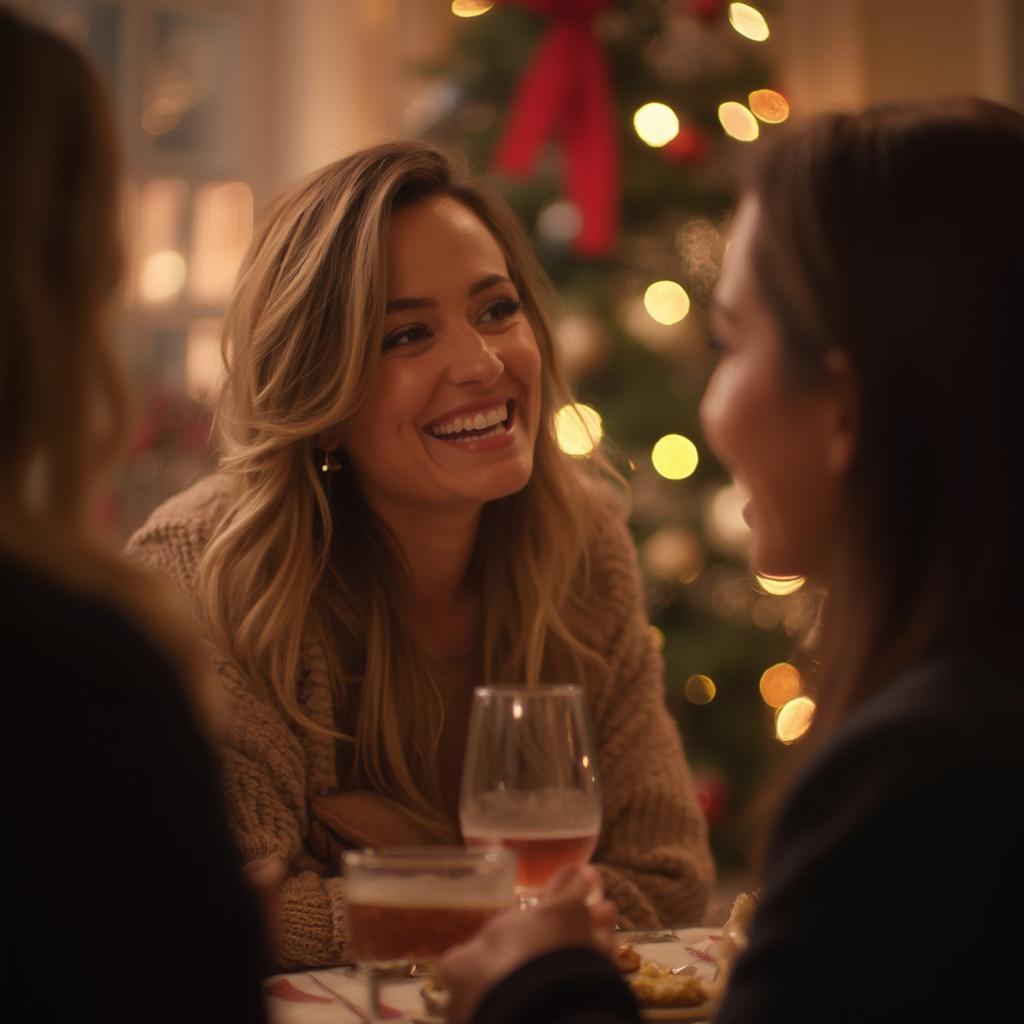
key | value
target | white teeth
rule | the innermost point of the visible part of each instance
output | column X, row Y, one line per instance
column 476, row 421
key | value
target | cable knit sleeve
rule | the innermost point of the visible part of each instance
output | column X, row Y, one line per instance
column 653, row 851
column 268, row 766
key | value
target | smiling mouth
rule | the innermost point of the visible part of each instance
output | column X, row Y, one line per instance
column 475, row 426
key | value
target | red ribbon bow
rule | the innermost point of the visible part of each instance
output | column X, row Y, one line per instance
column 565, row 92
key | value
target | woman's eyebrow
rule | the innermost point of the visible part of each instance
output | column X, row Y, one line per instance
column 398, row 305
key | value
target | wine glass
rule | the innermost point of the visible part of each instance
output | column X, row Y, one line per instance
column 529, row 781
column 413, row 904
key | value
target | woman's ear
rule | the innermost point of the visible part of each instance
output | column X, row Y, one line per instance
column 844, row 425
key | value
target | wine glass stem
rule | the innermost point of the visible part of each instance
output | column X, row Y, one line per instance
column 373, row 995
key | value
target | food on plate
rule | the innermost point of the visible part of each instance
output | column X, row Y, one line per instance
column 626, row 958
column 654, row 986
column 435, row 998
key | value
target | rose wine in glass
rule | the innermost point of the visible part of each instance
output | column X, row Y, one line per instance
column 529, row 782
column 408, row 904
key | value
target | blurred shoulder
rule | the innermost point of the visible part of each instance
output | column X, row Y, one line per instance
column 178, row 531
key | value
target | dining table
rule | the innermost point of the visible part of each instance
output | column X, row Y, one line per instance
column 337, row 995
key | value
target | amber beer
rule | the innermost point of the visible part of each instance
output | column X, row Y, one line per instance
column 540, row 854
column 384, row 931
column 414, row 904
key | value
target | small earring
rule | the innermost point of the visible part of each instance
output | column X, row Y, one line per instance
column 330, row 463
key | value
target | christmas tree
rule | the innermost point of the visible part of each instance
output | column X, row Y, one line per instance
column 616, row 130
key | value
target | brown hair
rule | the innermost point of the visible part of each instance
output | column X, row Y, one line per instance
column 897, row 235
column 64, row 407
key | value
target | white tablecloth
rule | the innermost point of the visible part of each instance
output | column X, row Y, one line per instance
column 338, row 995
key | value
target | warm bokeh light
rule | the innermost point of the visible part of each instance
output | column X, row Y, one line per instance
column 749, row 22
column 673, row 554
column 699, row 690
column 559, row 222
column 768, row 105
column 656, row 124
column 578, row 429
column 779, row 684
column 657, row 638
column 162, row 276
column 738, row 122
column 725, row 523
column 204, row 368
column 674, row 457
column 471, row 8
column 780, row 586
column 158, row 227
column 666, row 302
column 794, row 719
column 221, row 228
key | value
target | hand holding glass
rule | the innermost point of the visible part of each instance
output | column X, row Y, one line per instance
column 530, row 782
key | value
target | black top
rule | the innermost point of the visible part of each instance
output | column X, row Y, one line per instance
column 124, row 897
column 893, row 882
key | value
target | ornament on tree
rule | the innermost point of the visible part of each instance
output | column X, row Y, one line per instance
column 689, row 146
column 706, row 10
column 566, row 93
column 712, row 793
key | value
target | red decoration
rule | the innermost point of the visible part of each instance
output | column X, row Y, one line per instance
column 712, row 793
column 565, row 92
column 690, row 146
column 706, row 10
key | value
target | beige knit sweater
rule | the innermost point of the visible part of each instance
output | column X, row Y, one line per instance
column 653, row 851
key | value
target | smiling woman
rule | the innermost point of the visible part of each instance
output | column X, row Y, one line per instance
column 394, row 524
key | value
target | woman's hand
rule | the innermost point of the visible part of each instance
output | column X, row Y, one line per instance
column 573, row 912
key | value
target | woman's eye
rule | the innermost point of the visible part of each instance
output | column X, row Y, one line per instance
column 405, row 336
column 501, row 310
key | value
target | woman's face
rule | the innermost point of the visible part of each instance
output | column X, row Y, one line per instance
column 788, row 443
column 454, row 411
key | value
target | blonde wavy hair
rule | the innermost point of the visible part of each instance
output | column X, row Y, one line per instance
column 65, row 404
column 301, row 556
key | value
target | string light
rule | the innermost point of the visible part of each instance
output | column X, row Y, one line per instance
column 471, row 8
column 779, row 684
column 578, row 429
column 738, row 122
column 656, row 124
column 674, row 457
column 749, row 22
column 699, row 689
column 666, row 302
column 768, row 105
column 780, row 586
column 794, row 719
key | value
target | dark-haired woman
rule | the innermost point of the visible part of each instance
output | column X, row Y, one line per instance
column 872, row 350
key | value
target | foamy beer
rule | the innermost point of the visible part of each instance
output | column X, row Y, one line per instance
column 413, row 904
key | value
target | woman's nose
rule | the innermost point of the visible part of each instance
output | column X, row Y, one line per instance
column 474, row 359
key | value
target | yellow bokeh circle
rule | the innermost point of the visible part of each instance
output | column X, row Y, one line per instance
column 666, row 302
column 699, row 689
column 656, row 124
column 578, row 429
column 749, row 22
column 779, row 684
column 794, row 719
column 738, row 122
column 674, row 457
